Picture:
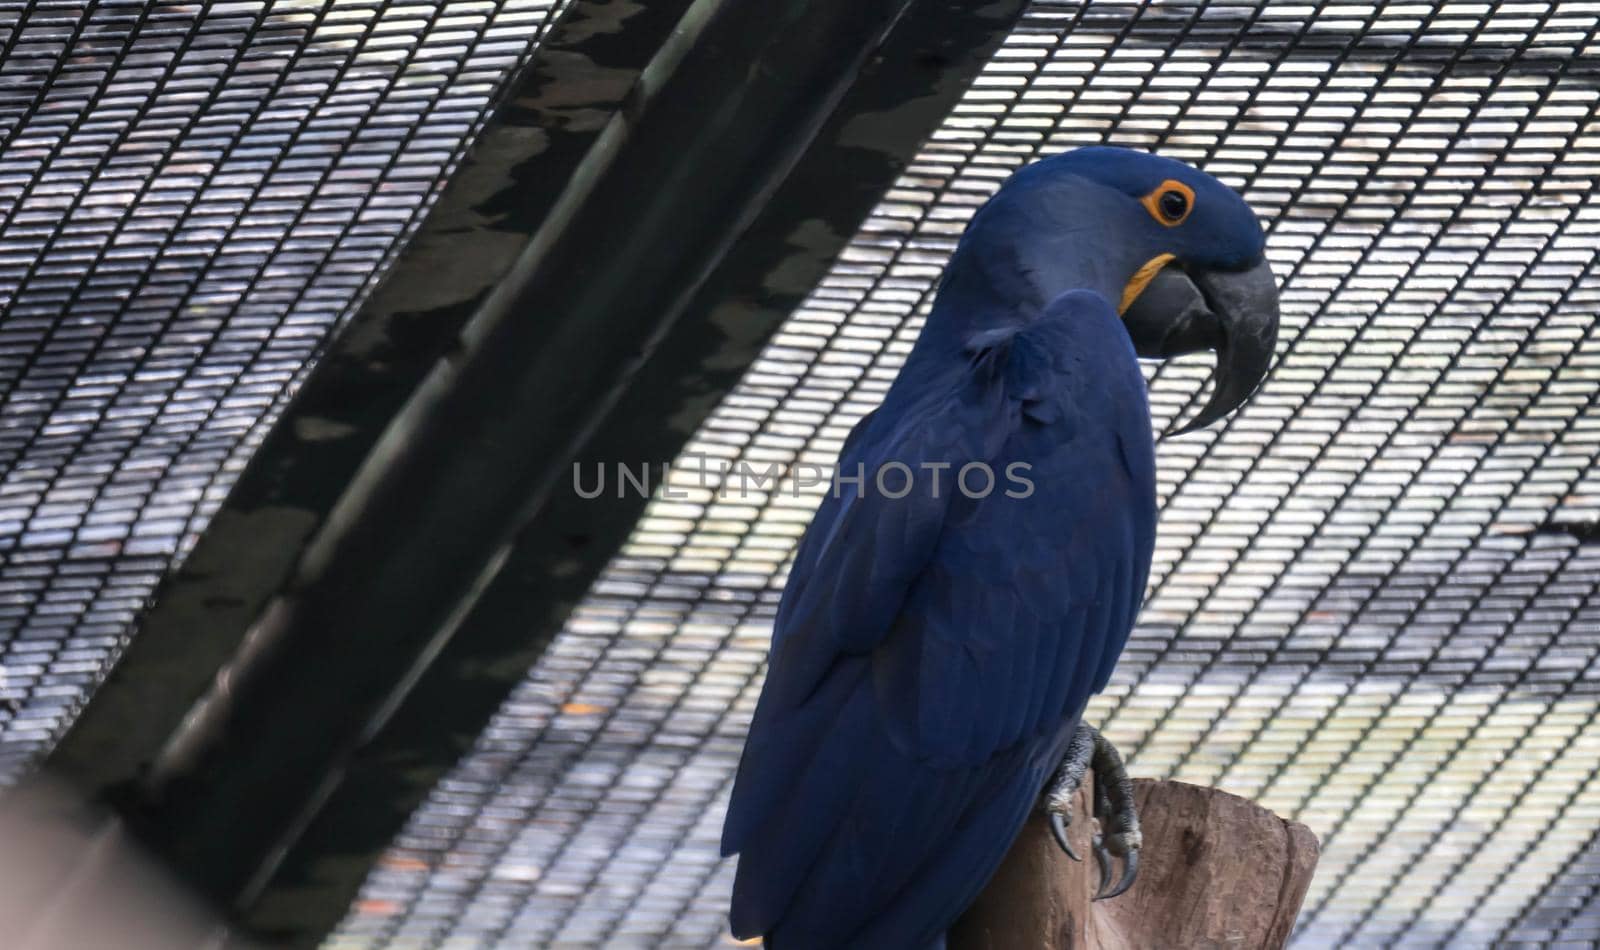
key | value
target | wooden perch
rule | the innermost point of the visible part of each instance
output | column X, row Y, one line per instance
column 1217, row 870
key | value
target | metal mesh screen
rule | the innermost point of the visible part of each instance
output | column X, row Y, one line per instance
column 191, row 195
column 1373, row 607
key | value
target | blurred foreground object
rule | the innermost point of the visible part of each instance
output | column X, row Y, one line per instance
column 71, row 879
column 1218, row 871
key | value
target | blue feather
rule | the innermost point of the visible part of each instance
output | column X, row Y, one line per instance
column 933, row 654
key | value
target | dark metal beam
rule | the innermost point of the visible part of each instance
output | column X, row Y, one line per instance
column 502, row 191
column 653, row 198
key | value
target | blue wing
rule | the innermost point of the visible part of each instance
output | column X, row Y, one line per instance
column 932, row 653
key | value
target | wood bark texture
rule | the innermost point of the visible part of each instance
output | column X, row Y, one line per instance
column 1216, row 871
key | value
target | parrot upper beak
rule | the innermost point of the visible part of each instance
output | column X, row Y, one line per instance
column 1234, row 313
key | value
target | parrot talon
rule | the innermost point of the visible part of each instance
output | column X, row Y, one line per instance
column 1130, row 871
column 1118, row 817
column 1102, row 857
column 1063, row 785
column 1058, row 827
column 1114, row 809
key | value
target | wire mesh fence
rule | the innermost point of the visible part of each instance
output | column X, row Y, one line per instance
column 1373, row 605
column 191, row 195
column 1374, row 602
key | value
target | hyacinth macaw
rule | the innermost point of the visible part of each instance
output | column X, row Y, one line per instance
column 935, row 647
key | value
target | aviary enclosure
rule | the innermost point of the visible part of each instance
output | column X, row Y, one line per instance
column 1375, row 605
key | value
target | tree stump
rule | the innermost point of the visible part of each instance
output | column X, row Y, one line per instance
column 1216, row 871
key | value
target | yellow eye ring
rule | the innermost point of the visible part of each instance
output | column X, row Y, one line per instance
column 1170, row 202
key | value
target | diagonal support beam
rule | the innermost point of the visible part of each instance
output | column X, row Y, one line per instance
column 653, row 196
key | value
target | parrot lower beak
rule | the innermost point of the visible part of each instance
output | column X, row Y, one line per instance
column 1234, row 313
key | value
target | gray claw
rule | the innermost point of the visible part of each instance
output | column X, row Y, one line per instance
column 1119, row 819
column 1102, row 857
column 1130, row 870
column 1113, row 807
column 1057, row 796
column 1058, row 827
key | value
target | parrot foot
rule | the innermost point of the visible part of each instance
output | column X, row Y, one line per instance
column 1113, row 807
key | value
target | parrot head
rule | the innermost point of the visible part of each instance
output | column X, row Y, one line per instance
column 1180, row 254
column 1206, row 284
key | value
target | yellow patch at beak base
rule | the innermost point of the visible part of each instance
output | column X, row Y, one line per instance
column 1140, row 280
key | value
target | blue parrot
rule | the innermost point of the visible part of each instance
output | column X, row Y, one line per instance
column 973, row 575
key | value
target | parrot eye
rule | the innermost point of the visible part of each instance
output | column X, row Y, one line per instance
column 1170, row 203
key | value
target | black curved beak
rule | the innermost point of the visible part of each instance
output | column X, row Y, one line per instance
column 1234, row 312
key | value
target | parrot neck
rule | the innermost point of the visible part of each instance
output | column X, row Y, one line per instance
column 1036, row 239
column 991, row 284
column 999, row 289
